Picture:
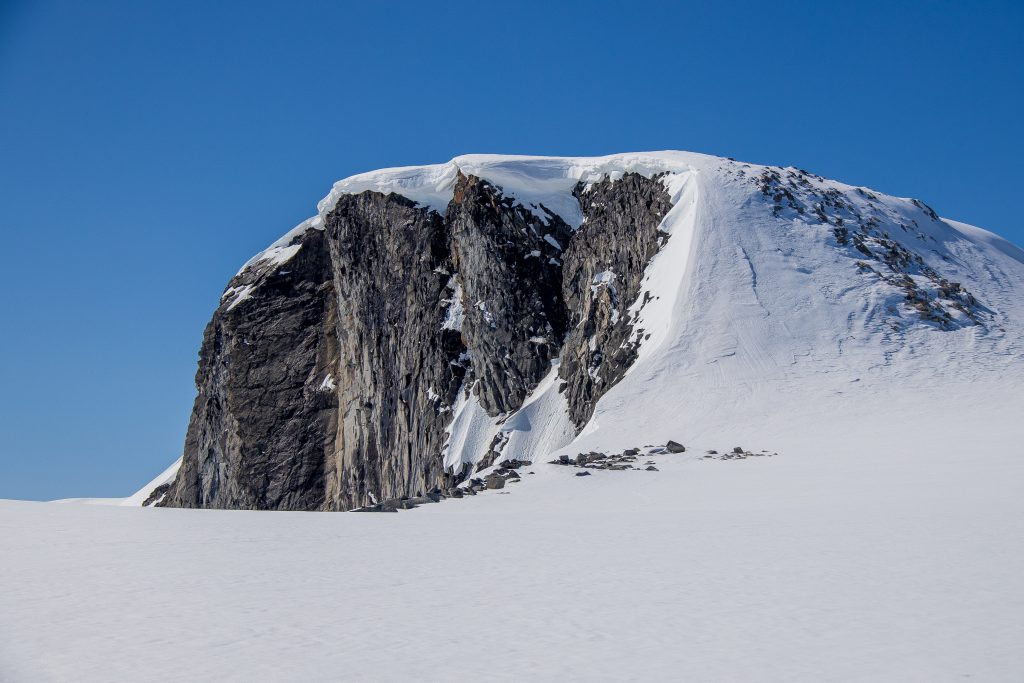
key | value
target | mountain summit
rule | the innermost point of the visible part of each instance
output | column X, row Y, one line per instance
column 431, row 322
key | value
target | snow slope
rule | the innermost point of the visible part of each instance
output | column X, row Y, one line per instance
column 869, row 549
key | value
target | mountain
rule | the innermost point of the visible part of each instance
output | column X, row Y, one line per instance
column 432, row 322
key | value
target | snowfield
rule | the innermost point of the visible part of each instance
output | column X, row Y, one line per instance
column 866, row 550
column 883, row 542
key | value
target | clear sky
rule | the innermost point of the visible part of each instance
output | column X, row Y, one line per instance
column 148, row 149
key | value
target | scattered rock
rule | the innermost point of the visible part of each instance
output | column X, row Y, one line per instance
column 495, row 481
column 674, row 447
column 583, row 474
column 652, row 468
column 156, row 494
column 514, row 464
column 737, row 449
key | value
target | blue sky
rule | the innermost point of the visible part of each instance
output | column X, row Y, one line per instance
column 150, row 148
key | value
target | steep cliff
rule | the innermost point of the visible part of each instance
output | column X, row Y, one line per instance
column 263, row 425
column 604, row 266
column 329, row 373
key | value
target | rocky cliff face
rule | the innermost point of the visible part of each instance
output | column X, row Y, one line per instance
column 328, row 375
column 510, row 273
column 604, row 266
column 262, row 426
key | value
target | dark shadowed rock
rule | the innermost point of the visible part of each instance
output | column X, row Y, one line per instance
column 156, row 494
column 601, row 278
column 674, row 447
column 511, row 280
column 514, row 464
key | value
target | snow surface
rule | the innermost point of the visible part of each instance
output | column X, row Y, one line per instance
column 883, row 542
column 454, row 313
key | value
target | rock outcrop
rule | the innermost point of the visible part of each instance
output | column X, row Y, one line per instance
column 262, row 426
column 328, row 375
column 510, row 274
column 604, row 266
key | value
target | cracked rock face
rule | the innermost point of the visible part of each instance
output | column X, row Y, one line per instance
column 395, row 370
column 261, row 428
column 509, row 265
column 328, row 375
column 601, row 279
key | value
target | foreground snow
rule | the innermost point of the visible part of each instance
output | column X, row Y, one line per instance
column 884, row 542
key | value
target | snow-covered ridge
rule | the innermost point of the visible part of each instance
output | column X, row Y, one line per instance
column 536, row 180
column 532, row 180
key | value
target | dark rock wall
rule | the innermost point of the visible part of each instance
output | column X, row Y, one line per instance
column 601, row 278
column 260, row 428
column 511, row 279
column 327, row 383
column 395, row 373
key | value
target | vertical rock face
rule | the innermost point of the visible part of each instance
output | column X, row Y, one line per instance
column 329, row 373
column 396, row 369
column 261, row 426
column 604, row 267
column 511, row 277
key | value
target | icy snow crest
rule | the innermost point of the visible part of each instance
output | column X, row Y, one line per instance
column 537, row 183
